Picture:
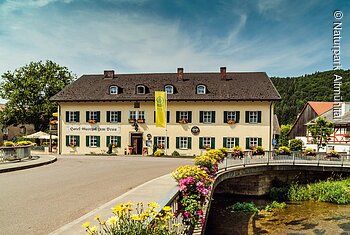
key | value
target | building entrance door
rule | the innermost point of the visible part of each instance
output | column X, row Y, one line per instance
column 136, row 142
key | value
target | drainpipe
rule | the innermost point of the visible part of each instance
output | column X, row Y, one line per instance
column 59, row 130
column 270, row 132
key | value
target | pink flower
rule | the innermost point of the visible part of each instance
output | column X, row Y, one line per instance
column 186, row 214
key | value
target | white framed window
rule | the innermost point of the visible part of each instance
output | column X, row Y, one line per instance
column 230, row 142
column 183, row 144
column 141, row 115
column 207, row 116
column 161, row 142
column 92, row 141
column 93, row 115
column 169, row 89
column 72, row 116
column 137, row 115
column 140, row 89
column 113, row 90
column 253, row 116
column 231, row 115
column 253, row 141
column 206, row 142
column 72, row 140
column 183, row 115
column 132, row 115
column 114, row 116
column 201, row 89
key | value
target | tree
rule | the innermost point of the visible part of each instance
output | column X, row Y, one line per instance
column 296, row 145
column 320, row 130
column 28, row 91
column 283, row 138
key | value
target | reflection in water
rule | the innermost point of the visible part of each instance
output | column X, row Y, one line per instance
column 298, row 218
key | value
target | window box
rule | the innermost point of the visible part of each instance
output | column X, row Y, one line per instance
column 91, row 121
column 183, row 121
column 206, row 147
column 131, row 120
column 231, row 121
column 141, row 120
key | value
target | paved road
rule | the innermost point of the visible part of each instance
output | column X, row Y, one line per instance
column 40, row 200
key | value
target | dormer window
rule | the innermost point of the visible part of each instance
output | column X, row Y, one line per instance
column 169, row 89
column 201, row 89
column 140, row 89
column 113, row 90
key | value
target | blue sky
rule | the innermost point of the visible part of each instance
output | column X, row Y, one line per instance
column 280, row 37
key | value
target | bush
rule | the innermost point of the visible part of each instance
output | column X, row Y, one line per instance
column 158, row 153
column 175, row 154
column 296, row 145
column 244, row 207
column 275, row 205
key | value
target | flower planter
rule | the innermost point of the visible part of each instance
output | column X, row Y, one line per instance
column 92, row 121
column 183, row 121
column 16, row 152
column 140, row 120
column 231, row 122
column 131, row 120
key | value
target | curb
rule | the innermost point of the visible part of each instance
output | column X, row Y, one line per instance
column 16, row 168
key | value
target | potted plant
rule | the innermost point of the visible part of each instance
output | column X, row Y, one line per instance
column 206, row 146
column 231, row 121
column 257, row 150
column 309, row 152
column 141, row 120
column 92, row 121
column 283, row 150
column 237, row 152
column 183, row 121
column 131, row 120
column 333, row 154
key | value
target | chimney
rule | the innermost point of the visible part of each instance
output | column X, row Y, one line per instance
column 180, row 74
column 108, row 74
column 223, row 73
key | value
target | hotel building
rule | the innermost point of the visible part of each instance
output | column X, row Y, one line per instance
column 204, row 110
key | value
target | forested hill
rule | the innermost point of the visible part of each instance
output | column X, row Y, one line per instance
column 296, row 91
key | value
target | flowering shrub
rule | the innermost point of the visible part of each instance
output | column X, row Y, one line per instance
column 237, row 152
column 283, row 150
column 309, row 152
column 333, row 154
column 195, row 185
column 140, row 221
column 258, row 150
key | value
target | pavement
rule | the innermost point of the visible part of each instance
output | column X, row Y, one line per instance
column 159, row 190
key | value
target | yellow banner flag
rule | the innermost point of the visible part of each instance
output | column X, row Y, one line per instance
column 160, row 107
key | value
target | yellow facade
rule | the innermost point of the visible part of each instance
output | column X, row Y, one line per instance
column 148, row 130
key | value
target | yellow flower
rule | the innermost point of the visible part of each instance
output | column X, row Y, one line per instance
column 129, row 204
column 103, row 222
column 93, row 229
column 153, row 204
column 135, row 217
column 112, row 220
column 97, row 217
column 86, row 225
column 118, row 209
column 167, row 208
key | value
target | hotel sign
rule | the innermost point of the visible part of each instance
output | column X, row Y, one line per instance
column 98, row 129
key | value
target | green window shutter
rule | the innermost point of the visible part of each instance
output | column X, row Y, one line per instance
column 212, row 143
column 246, row 116
column 108, row 116
column 87, row 116
column 189, row 142
column 67, row 116
column 167, row 142
column 155, row 141
column 77, row 115
column 78, row 140
column 154, row 116
column 87, row 141
column 108, row 140
column 225, row 116
column 200, row 142
column 189, row 116
column 67, row 140
column 119, row 141
column 98, row 141
column 237, row 116
column 212, row 116
column 260, row 141
column 177, row 116
column 119, row 116
column 200, row 116
column 259, row 116
column 167, row 116
column 177, row 142
column 98, row 116
column 247, row 143
column 236, row 141
column 225, row 142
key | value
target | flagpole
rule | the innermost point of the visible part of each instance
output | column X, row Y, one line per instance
column 166, row 123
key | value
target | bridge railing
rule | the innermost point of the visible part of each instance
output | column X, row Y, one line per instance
column 271, row 157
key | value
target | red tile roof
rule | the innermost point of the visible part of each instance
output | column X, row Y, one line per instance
column 320, row 107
